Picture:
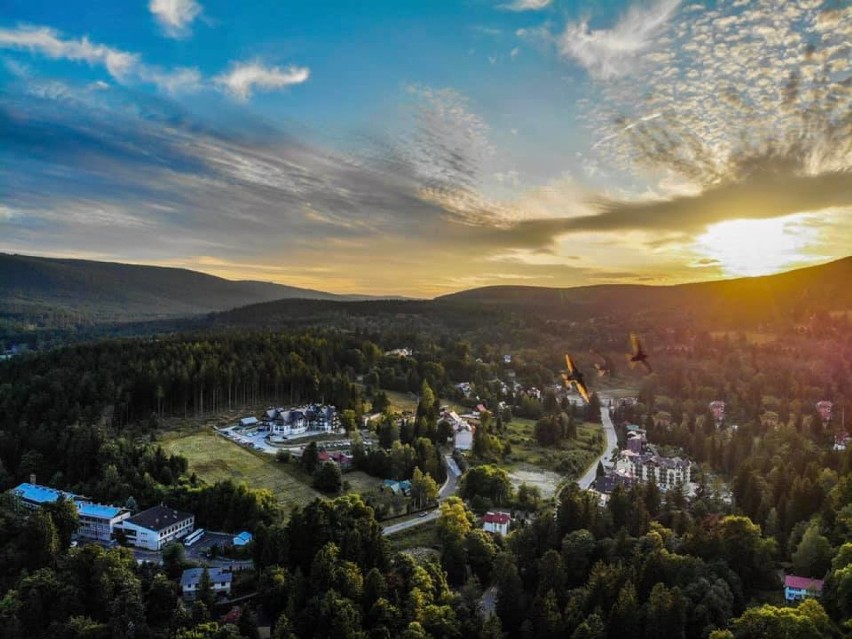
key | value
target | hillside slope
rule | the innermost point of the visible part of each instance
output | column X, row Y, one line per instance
column 93, row 292
column 747, row 300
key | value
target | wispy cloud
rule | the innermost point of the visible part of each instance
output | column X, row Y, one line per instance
column 525, row 5
column 175, row 17
column 126, row 68
column 244, row 78
column 48, row 42
column 608, row 53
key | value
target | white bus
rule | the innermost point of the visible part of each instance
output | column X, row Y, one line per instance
column 193, row 537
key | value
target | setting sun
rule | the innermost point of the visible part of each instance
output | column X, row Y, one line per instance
column 757, row 247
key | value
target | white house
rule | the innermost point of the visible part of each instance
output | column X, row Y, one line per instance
column 841, row 441
column 154, row 528
column 98, row 521
column 220, row 581
column 246, row 422
column 496, row 522
column 798, row 588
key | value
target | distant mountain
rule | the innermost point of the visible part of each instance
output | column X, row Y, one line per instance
column 750, row 299
column 527, row 314
column 44, row 291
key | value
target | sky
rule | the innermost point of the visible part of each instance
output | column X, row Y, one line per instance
column 423, row 147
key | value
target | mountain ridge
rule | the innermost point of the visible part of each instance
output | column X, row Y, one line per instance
column 115, row 291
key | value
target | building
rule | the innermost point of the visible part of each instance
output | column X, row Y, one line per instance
column 243, row 539
column 32, row 496
column 496, row 522
column 247, row 422
column 841, row 441
column 463, row 438
column 342, row 459
column 296, row 421
column 98, row 521
column 154, row 528
column 666, row 472
column 220, row 581
column 604, row 485
column 397, row 487
column 798, row 588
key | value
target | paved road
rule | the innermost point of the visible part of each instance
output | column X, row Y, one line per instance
column 611, row 442
column 447, row 490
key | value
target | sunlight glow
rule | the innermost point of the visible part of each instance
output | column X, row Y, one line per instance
column 758, row 247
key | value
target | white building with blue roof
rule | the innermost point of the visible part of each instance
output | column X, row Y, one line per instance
column 33, row 496
column 98, row 521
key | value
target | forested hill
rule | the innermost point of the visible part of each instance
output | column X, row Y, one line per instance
column 59, row 292
column 754, row 299
column 775, row 303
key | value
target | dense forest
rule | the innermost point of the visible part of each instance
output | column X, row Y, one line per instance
column 772, row 495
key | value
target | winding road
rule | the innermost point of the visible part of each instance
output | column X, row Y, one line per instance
column 447, row 490
column 611, row 442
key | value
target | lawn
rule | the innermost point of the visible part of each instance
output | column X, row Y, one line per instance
column 571, row 459
column 213, row 459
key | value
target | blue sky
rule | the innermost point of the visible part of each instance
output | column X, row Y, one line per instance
column 421, row 147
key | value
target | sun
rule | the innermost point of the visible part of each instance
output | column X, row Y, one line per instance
column 758, row 247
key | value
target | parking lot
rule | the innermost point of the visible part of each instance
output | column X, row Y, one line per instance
column 254, row 438
column 201, row 548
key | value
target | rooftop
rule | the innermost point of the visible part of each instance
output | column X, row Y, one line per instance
column 192, row 576
column 158, row 518
column 496, row 518
column 100, row 511
column 804, row 583
column 41, row 494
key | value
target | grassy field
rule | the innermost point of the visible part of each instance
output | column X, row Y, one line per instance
column 574, row 454
column 406, row 402
column 361, row 482
column 214, row 459
column 423, row 536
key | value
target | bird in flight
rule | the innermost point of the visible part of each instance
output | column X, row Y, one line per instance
column 637, row 354
column 573, row 377
column 604, row 369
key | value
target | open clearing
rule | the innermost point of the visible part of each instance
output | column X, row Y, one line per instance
column 569, row 460
column 407, row 402
column 546, row 480
column 214, row 459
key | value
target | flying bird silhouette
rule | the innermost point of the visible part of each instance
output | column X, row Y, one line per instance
column 573, row 377
column 603, row 368
column 637, row 354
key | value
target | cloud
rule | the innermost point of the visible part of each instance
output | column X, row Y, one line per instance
column 179, row 80
column 244, row 78
column 48, row 42
column 175, row 17
column 128, row 68
column 609, row 53
column 449, row 144
column 526, row 5
column 124, row 67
